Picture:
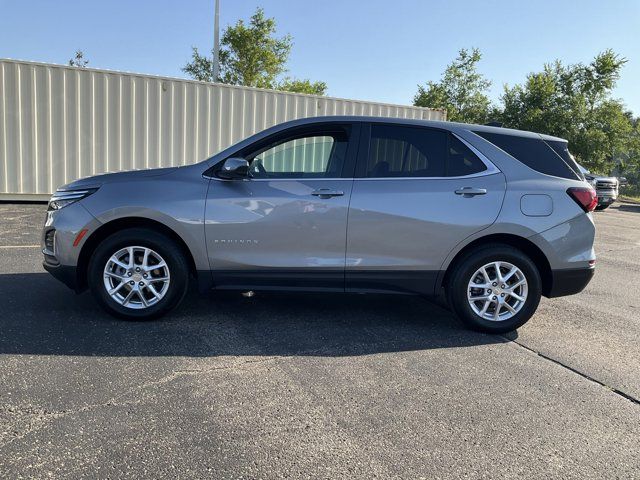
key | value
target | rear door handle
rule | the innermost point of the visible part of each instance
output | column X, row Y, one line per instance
column 327, row 193
column 471, row 191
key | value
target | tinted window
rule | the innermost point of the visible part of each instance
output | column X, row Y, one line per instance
column 312, row 156
column 462, row 161
column 396, row 151
column 533, row 152
column 562, row 149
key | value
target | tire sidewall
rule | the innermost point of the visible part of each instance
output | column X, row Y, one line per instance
column 165, row 247
column 465, row 269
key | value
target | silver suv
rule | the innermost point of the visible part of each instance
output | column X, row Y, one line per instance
column 493, row 217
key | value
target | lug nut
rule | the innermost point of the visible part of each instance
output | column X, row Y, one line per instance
column 489, row 291
column 502, row 286
column 144, row 276
column 137, row 269
column 141, row 284
column 502, row 294
column 129, row 274
column 495, row 298
column 494, row 284
column 132, row 282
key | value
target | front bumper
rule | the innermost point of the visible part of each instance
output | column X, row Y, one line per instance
column 606, row 197
column 59, row 247
column 64, row 273
column 569, row 281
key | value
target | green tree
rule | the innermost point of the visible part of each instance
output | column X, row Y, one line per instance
column 251, row 55
column 200, row 67
column 628, row 162
column 461, row 91
column 574, row 102
column 302, row 86
column 78, row 60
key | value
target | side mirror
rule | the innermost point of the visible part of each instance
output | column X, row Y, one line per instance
column 233, row 169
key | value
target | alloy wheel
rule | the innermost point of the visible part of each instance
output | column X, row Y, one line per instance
column 497, row 291
column 136, row 277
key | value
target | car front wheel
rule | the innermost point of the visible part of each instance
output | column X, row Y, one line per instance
column 138, row 274
column 495, row 289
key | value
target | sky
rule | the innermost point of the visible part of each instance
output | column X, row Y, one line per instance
column 376, row 50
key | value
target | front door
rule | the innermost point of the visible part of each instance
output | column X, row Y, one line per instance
column 285, row 225
column 418, row 193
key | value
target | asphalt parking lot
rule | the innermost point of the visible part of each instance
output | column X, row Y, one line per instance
column 311, row 386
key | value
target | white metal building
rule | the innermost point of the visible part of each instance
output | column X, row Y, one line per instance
column 60, row 123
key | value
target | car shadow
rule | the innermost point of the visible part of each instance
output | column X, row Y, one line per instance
column 629, row 207
column 42, row 317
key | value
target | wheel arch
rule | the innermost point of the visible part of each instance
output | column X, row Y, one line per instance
column 120, row 224
column 525, row 246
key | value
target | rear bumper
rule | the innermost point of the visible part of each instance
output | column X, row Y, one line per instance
column 64, row 273
column 569, row 281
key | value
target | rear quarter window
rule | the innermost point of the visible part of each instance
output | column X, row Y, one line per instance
column 533, row 152
column 562, row 149
column 462, row 161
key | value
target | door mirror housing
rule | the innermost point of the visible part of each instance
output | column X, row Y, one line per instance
column 234, row 168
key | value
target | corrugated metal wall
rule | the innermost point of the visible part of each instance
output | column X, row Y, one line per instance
column 61, row 123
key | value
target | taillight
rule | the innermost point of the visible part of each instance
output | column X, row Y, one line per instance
column 585, row 197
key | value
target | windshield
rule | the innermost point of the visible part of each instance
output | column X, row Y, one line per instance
column 582, row 169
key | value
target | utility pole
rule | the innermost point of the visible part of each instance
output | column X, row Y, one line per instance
column 216, row 41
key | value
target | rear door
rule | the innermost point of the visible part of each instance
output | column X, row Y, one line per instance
column 285, row 226
column 418, row 192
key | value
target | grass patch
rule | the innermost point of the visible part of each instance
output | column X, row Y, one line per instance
column 629, row 198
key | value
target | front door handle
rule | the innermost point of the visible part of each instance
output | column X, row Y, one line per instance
column 469, row 192
column 327, row 193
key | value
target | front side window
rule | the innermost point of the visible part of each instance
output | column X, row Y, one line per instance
column 312, row 156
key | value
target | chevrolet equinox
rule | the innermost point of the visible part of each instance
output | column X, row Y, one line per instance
column 492, row 217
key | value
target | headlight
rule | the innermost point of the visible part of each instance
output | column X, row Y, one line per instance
column 62, row 198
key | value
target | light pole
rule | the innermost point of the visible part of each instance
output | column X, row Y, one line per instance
column 216, row 41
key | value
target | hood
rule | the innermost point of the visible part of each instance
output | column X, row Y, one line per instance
column 97, row 180
column 590, row 176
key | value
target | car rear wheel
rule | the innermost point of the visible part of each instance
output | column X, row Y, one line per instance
column 494, row 289
column 138, row 274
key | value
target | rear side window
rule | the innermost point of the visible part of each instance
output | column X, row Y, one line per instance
column 399, row 151
column 406, row 152
column 533, row 152
column 462, row 161
column 562, row 149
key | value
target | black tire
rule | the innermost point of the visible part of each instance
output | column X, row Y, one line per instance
column 602, row 207
column 167, row 248
column 465, row 268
